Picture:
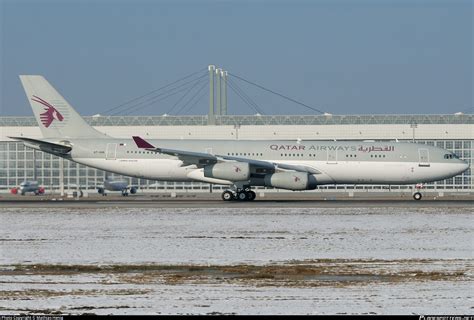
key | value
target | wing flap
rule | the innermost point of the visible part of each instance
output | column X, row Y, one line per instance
column 297, row 167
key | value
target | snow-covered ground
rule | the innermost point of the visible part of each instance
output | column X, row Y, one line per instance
column 441, row 239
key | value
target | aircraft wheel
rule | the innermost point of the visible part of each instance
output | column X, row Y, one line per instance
column 251, row 195
column 227, row 195
column 242, row 196
column 417, row 196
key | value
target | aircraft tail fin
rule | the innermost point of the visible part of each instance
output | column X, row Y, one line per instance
column 55, row 116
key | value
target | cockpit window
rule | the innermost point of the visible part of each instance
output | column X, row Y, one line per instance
column 450, row 156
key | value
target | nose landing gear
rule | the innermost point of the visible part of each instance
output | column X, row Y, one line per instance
column 417, row 196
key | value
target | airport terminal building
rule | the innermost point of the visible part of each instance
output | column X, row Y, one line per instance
column 452, row 132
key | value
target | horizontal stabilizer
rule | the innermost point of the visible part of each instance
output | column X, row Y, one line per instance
column 45, row 146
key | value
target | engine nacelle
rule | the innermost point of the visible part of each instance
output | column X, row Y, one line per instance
column 291, row 180
column 232, row 171
column 133, row 190
column 100, row 190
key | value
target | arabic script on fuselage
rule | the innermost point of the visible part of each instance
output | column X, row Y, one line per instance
column 298, row 147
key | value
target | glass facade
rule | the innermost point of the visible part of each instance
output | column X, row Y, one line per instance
column 201, row 120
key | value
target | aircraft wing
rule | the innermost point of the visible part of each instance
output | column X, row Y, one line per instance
column 201, row 159
column 46, row 146
column 299, row 168
column 188, row 157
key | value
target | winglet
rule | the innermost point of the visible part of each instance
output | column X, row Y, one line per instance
column 142, row 144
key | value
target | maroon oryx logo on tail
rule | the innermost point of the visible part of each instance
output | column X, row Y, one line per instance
column 50, row 114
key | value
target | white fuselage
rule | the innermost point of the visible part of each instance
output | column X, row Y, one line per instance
column 347, row 172
column 335, row 162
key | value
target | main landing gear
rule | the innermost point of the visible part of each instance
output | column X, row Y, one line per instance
column 240, row 194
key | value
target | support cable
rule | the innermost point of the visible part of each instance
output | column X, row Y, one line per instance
column 184, row 95
column 153, row 91
column 195, row 102
column 241, row 97
column 192, row 98
column 276, row 93
column 242, row 92
column 161, row 98
column 151, row 100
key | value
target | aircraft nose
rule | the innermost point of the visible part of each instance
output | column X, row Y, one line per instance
column 463, row 166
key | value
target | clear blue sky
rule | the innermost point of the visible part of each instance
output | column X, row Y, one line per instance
column 341, row 56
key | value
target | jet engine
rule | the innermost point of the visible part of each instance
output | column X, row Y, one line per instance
column 133, row 190
column 291, row 180
column 100, row 190
column 232, row 171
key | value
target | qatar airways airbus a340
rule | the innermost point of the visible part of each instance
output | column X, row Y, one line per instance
column 240, row 164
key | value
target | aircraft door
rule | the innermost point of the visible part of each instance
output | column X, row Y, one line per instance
column 331, row 156
column 424, row 158
column 111, row 151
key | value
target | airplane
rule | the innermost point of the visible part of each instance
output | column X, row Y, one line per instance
column 28, row 186
column 238, row 164
column 111, row 184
